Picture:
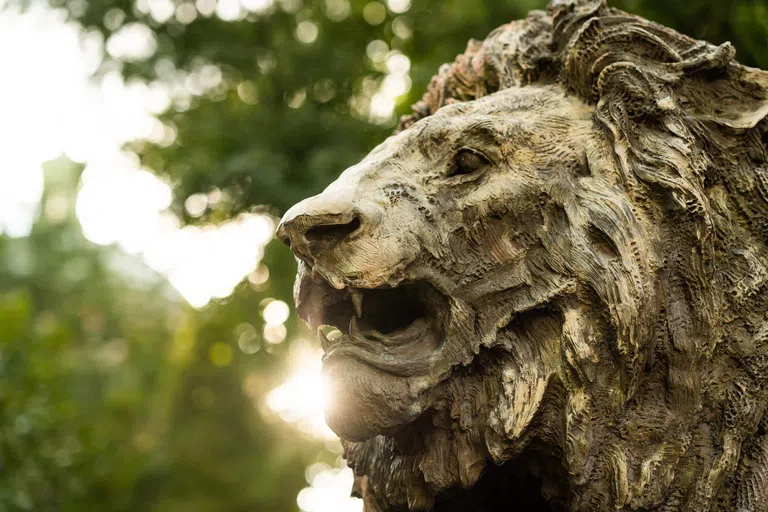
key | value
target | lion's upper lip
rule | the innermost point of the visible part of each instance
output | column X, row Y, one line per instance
column 395, row 329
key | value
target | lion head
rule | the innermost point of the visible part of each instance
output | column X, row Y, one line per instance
column 547, row 284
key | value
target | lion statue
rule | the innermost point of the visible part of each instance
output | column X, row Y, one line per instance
column 549, row 285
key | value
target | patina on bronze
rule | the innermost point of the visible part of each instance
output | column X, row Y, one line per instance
column 551, row 281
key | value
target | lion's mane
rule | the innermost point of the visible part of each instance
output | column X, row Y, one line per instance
column 664, row 403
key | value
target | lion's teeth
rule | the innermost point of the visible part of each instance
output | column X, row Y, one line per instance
column 357, row 302
column 324, row 341
column 354, row 328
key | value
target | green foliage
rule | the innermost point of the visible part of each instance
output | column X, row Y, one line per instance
column 73, row 370
column 108, row 396
column 109, row 399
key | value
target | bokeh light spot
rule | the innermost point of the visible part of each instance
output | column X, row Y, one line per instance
column 296, row 100
column 206, row 7
column 399, row 6
column 290, row 6
column 374, row 13
column 161, row 10
column 329, row 490
column 196, row 204
column 257, row 6
column 220, row 354
column 307, row 31
column 247, row 338
column 132, row 42
column 398, row 63
column 276, row 312
column 377, row 50
column 113, row 19
column 186, row 13
column 275, row 334
column 259, row 277
column 247, row 92
column 337, row 10
column 402, row 28
column 325, row 90
column 229, row 10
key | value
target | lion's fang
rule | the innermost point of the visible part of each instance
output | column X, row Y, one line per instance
column 357, row 302
column 353, row 327
column 324, row 342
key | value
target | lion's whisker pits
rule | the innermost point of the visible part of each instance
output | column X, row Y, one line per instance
column 547, row 289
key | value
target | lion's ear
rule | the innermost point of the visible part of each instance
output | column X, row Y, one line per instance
column 655, row 68
column 736, row 97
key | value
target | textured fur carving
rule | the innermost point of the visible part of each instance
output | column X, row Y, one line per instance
column 551, row 281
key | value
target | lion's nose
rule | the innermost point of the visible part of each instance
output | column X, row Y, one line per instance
column 315, row 226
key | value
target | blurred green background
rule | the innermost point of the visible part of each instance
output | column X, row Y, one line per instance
column 164, row 372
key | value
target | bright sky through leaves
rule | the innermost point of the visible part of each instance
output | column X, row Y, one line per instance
column 119, row 203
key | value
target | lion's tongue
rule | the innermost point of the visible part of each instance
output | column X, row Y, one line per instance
column 412, row 332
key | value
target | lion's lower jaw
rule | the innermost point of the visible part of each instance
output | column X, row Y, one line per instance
column 356, row 410
column 609, row 453
column 438, row 465
column 441, row 457
column 485, row 414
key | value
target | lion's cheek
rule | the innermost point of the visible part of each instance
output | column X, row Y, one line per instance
column 364, row 402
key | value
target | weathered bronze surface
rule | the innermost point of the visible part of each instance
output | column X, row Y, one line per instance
column 551, row 281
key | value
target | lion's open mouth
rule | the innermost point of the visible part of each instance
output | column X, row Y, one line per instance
column 392, row 329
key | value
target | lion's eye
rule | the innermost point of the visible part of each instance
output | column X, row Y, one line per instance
column 468, row 162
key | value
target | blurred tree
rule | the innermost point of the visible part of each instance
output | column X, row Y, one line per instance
column 78, row 344
column 110, row 398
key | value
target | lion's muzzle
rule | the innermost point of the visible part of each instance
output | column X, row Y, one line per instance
column 388, row 326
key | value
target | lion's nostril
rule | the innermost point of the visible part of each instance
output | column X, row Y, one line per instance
column 319, row 224
column 332, row 234
column 283, row 237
